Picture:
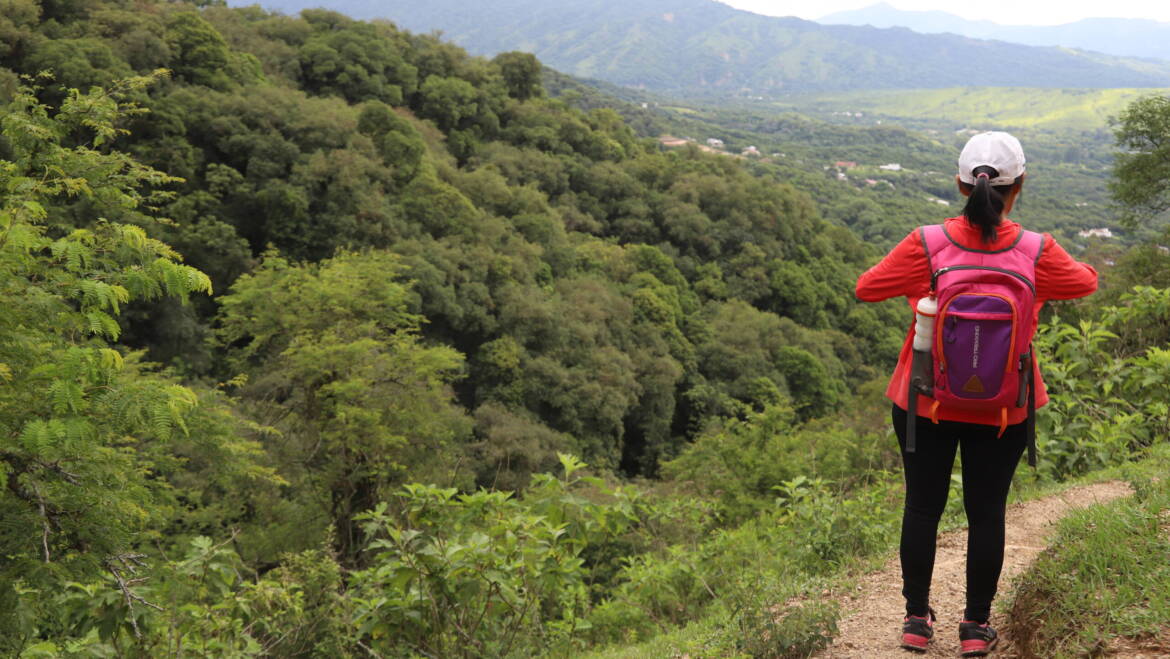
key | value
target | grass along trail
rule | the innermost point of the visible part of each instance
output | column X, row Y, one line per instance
column 873, row 628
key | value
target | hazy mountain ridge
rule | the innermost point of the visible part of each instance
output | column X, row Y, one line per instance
column 702, row 46
column 1123, row 37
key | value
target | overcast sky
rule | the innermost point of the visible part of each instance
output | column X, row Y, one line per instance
column 1021, row 12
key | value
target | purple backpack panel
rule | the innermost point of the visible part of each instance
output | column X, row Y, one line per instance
column 975, row 329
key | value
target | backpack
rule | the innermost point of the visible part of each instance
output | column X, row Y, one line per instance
column 981, row 348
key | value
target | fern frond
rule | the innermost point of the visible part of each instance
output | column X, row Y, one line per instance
column 101, row 324
column 75, row 186
column 25, row 238
column 66, row 397
column 131, row 236
column 87, row 291
column 75, row 362
column 79, row 429
column 124, row 407
column 108, row 298
column 109, row 359
column 161, row 420
column 120, row 296
column 102, row 295
column 180, row 402
column 140, row 284
column 35, row 436
column 160, row 249
column 174, row 280
column 76, row 255
column 178, row 279
column 197, row 282
column 34, row 210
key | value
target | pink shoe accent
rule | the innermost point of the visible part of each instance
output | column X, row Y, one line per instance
column 974, row 645
column 915, row 641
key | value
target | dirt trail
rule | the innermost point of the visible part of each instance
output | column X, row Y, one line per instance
column 873, row 630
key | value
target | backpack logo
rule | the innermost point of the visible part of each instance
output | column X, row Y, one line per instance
column 974, row 385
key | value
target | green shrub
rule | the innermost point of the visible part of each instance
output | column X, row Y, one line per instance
column 807, row 533
column 1109, row 386
column 488, row 573
column 742, row 463
column 797, row 632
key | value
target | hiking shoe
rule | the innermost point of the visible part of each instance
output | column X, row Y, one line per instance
column 976, row 639
column 917, row 631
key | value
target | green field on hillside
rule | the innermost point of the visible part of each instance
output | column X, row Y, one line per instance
column 1000, row 107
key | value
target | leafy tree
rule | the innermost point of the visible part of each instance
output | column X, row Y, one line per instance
column 1145, row 264
column 78, row 63
column 200, row 52
column 357, row 61
column 65, row 11
column 521, row 73
column 334, row 362
column 436, row 207
column 75, row 409
column 1141, row 171
column 450, row 102
column 400, row 145
column 18, row 20
column 139, row 37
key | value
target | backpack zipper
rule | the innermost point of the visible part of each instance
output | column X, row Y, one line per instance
column 942, row 271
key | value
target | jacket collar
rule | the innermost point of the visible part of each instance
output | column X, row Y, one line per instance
column 969, row 235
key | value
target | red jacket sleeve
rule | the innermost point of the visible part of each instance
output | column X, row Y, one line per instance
column 904, row 271
column 1059, row 276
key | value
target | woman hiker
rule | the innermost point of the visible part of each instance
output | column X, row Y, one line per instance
column 982, row 242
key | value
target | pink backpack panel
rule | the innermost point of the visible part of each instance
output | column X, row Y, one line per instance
column 983, row 332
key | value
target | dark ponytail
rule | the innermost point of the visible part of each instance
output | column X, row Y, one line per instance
column 984, row 206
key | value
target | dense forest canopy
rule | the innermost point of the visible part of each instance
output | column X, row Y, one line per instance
column 304, row 313
column 508, row 212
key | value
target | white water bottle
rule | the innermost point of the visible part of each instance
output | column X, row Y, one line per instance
column 924, row 323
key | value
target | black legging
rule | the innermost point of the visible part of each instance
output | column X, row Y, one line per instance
column 988, row 464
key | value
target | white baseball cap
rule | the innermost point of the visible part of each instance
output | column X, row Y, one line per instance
column 996, row 149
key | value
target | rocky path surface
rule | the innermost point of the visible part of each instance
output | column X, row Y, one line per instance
column 873, row 629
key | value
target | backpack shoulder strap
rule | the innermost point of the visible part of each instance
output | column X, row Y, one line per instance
column 1032, row 243
column 933, row 240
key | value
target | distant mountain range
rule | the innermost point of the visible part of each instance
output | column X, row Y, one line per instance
column 705, row 47
column 1126, row 37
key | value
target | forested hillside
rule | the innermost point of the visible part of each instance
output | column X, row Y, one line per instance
column 699, row 47
column 423, row 270
column 505, row 210
column 839, row 149
column 1066, row 132
column 323, row 338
